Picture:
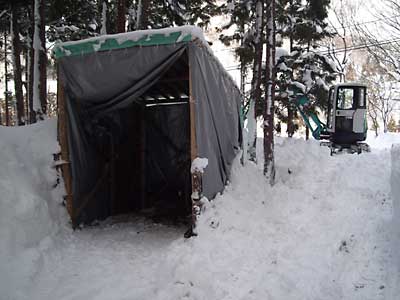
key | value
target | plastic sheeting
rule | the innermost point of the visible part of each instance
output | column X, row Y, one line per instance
column 217, row 110
column 100, row 86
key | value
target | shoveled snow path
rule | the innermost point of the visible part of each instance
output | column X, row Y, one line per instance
column 320, row 233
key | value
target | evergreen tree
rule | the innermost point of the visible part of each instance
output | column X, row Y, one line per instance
column 303, row 69
column 392, row 126
column 166, row 13
column 70, row 20
column 247, row 17
column 243, row 17
column 303, row 25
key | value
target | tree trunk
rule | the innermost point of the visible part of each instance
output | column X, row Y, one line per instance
column 290, row 122
column 255, row 98
column 121, row 16
column 1, row 117
column 269, row 161
column 6, row 104
column 242, row 78
column 42, row 59
column 32, row 114
column 27, row 84
column 103, row 29
column 376, row 126
column 37, row 48
column 131, row 18
column 143, row 14
column 16, row 46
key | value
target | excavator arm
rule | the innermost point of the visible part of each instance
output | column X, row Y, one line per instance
column 317, row 127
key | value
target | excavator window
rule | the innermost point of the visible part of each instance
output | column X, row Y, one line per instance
column 331, row 104
column 345, row 98
column 361, row 98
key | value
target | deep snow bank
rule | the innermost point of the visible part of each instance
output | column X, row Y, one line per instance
column 383, row 140
column 28, row 211
column 395, row 191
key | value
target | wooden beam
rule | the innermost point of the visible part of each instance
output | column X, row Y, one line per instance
column 142, row 151
column 192, row 104
column 63, row 140
column 196, row 176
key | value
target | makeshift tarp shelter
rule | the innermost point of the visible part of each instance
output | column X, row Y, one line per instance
column 135, row 109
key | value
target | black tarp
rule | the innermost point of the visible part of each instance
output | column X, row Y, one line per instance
column 101, row 86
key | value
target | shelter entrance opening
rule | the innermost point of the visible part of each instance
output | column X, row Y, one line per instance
column 144, row 150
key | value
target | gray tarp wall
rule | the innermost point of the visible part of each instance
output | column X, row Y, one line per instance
column 218, row 127
column 99, row 84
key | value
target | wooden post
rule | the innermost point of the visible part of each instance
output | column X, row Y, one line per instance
column 112, row 177
column 63, row 140
column 196, row 176
column 142, row 146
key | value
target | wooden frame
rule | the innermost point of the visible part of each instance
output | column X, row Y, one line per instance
column 63, row 140
column 63, row 123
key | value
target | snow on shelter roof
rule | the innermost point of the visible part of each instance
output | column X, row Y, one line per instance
column 149, row 37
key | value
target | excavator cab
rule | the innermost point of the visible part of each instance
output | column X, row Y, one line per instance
column 347, row 113
column 347, row 118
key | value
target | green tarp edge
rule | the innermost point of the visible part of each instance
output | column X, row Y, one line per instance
column 111, row 43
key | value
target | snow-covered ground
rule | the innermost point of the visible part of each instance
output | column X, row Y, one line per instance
column 322, row 232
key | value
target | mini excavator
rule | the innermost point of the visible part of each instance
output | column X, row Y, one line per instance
column 346, row 126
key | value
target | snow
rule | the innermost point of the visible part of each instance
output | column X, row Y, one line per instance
column 383, row 141
column 279, row 52
column 198, row 165
column 231, row 6
column 322, row 83
column 395, row 190
column 323, row 231
column 184, row 31
column 30, row 207
column 300, row 86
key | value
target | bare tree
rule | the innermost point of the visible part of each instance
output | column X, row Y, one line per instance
column 381, row 100
column 382, row 93
column 342, row 12
column 386, row 50
column 270, row 77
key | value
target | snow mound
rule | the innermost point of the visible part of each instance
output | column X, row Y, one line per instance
column 28, row 212
column 383, row 141
column 395, row 191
